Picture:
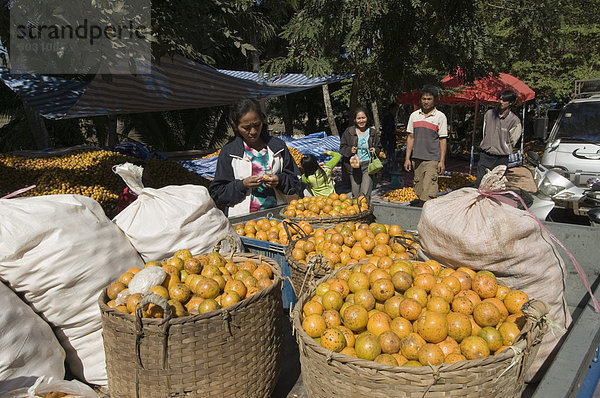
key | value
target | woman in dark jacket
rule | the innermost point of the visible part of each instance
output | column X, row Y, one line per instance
column 359, row 140
column 254, row 171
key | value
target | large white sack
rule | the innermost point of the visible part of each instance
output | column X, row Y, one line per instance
column 59, row 252
column 466, row 228
column 161, row 221
column 28, row 347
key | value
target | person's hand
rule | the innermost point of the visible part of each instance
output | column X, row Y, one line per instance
column 325, row 153
column 353, row 149
column 407, row 165
column 271, row 180
column 441, row 168
column 253, row 181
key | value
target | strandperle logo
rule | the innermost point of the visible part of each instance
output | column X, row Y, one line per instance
column 80, row 36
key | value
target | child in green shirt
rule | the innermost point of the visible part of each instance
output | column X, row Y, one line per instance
column 317, row 178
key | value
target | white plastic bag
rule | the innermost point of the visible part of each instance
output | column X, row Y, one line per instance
column 468, row 228
column 161, row 221
column 44, row 385
column 28, row 347
column 59, row 252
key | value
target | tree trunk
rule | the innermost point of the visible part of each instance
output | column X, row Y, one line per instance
column 38, row 127
column 287, row 120
column 329, row 110
column 111, row 131
column 375, row 115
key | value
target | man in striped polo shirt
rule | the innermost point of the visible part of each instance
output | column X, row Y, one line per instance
column 427, row 131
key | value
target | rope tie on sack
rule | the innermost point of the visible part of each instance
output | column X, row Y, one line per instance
column 498, row 196
column 436, row 377
column 518, row 353
column 18, row 192
column 555, row 328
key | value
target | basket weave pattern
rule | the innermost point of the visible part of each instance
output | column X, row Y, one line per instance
column 232, row 352
column 327, row 374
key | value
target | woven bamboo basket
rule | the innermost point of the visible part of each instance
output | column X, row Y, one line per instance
column 329, row 374
column 332, row 221
column 231, row 352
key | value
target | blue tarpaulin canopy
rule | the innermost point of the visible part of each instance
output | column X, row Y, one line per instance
column 176, row 83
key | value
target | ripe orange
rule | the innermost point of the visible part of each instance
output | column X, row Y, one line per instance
column 462, row 305
column 365, row 299
column 474, row 347
column 514, row 300
column 449, row 346
column 333, row 339
column 509, row 332
column 453, row 357
column 433, row 326
column 459, row 326
column 401, row 326
column 312, row 307
column 438, row 304
column 492, row 337
column 332, row 318
column 358, row 281
column 402, row 281
column 386, row 359
column 410, row 346
column 410, row 309
column 431, row 354
column 382, row 289
column 425, row 281
column 389, row 342
column 444, row 291
column 367, row 347
column 485, row 285
column 486, row 314
column 355, row 318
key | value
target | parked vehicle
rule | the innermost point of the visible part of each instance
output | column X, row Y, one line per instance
column 573, row 146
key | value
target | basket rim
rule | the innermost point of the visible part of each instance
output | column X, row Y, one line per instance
column 330, row 219
column 309, row 343
column 277, row 283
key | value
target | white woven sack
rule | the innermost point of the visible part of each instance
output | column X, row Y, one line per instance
column 161, row 221
column 28, row 346
column 59, row 252
column 466, row 228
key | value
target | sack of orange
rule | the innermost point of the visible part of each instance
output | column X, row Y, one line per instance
column 414, row 314
column 269, row 230
column 331, row 206
column 190, row 284
column 352, row 242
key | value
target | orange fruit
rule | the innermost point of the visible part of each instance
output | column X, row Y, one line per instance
column 486, row 314
column 462, row 305
column 386, row 359
column 453, row 282
column 500, row 305
column 401, row 326
column 125, row 278
column 180, row 292
column 449, row 346
column 392, row 306
column 332, row 318
column 402, row 281
column 418, row 294
column 333, row 339
column 355, row 317
column 133, row 301
column 208, row 305
column 229, row 298
column 207, row 288
column 114, row 289
column 464, row 278
column 444, row 291
column 474, row 347
column 492, row 337
column 367, row 347
column 502, row 292
column 314, row 325
column 438, row 304
column 425, row 281
column 484, row 285
column 433, row 327
column 471, row 295
column 348, row 335
column 514, row 300
column 410, row 346
column 358, row 281
column 410, row 309
column 389, row 342
column 459, row 326
column 509, row 332
column 382, row 289
column 365, row 299
column 431, row 354
column 467, row 271
column 312, row 307
column 453, row 357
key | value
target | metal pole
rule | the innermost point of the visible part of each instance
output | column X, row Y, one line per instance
column 473, row 139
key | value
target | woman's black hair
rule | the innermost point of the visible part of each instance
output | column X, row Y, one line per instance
column 310, row 166
column 356, row 112
column 239, row 108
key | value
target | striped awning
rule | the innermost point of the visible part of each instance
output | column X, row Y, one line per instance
column 177, row 83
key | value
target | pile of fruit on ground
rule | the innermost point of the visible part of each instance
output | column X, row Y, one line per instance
column 445, row 183
column 331, row 206
column 190, row 284
column 414, row 314
column 88, row 173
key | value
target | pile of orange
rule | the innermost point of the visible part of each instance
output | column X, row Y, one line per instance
column 330, row 206
column 269, row 230
column 414, row 314
column 194, row 284
column 350, row 242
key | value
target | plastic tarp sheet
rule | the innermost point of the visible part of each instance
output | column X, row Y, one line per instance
column 312, row 144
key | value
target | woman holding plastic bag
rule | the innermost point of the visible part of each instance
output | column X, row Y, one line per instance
column 254, row 171
column 358, row 144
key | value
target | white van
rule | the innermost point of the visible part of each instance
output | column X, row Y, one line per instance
column 573, row 146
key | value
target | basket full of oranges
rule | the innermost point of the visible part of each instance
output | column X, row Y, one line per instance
column 328, row 211
column 194, row 325
column 322, row 250
column 416, row 329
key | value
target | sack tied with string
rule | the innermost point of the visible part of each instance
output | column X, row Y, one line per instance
column 469, row 228
column 161, row 221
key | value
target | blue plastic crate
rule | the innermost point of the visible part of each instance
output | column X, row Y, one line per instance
column 275, row 251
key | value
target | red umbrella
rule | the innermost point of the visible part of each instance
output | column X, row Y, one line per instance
column 485, row 90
